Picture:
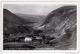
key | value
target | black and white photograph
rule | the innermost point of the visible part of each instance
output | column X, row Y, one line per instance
column 39, row 27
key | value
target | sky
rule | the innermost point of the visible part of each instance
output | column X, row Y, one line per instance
column 33, row 9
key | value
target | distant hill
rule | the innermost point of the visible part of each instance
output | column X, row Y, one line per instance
column 33, row 18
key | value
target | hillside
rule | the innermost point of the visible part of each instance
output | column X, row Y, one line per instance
column 61, row 24
column 12, row 22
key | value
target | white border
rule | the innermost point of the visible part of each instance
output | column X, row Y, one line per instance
column 37, row 51
column 40, row 0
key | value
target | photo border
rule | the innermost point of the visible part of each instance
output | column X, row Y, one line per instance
column 38, row 51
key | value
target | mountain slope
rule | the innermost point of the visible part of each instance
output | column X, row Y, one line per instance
column 61, row 24
column 11, row 22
